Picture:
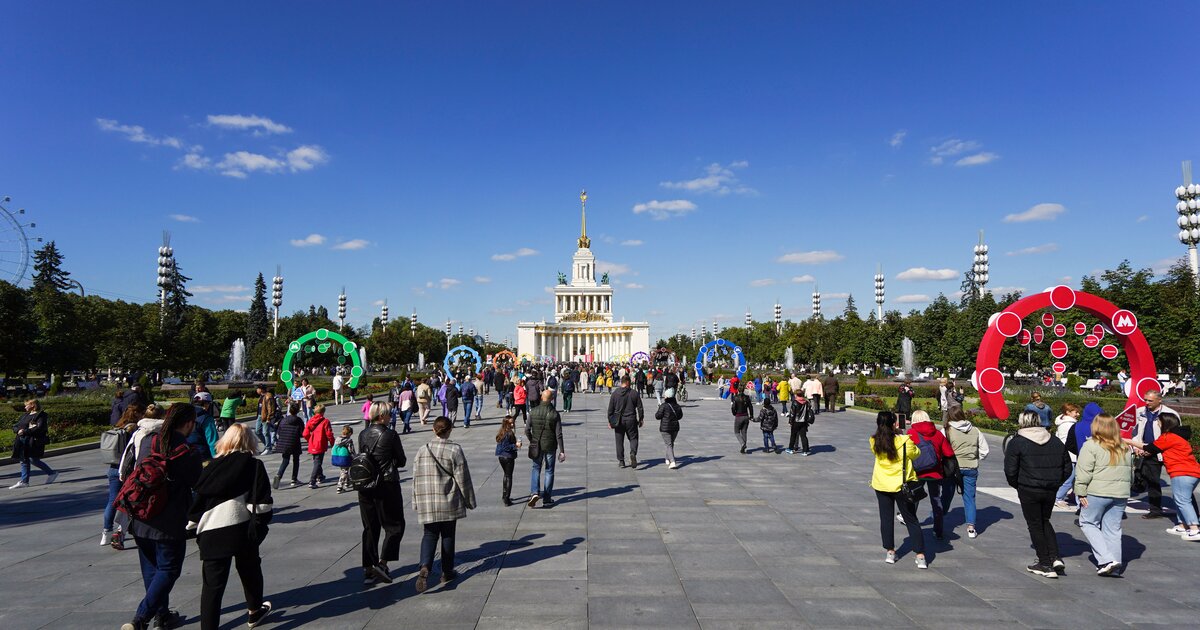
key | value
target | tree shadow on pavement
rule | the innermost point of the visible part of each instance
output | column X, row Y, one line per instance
column 37, row 507
column 684, row 462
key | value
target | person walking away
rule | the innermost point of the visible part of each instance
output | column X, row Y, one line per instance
column 814, row 391
column 1036, row 464
column 768, row 421
column 342, row 455
column 895, row 455
column 380, row 502
column 1103, row 476
column 424, row 399
column 113, row 444
column 1184, row 471
column 1062, row 430
column 150, row 423
column 625, row 416
column 33, row 434
column 450, row 398
column 407, row 401
column 742, row 408
column 1036, row 405
column 659, row 387
column 205, row 435
column 319, row 433
column 1147, row 431
column 800, row 416
column 552, row 384
column 480, row 387
column 669, row 414
column 520, row 398
column 499, row 381
column 923, row 430
column 287, row 444
column 442, row 494
column 904, row 398
column 545, row 436
column 568, row 392
column 468, row 393
column 338, row 386
column 969, row 448
column 830, row 387
column 229, row 516
column 268, row 417
column 162, row 536
column 506, row 452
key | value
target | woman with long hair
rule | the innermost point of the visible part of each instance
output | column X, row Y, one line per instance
column 894, row 456
column 1103, row 475
column 230, row 516
column 125, row 426
column 507, row 444
column 970, row 448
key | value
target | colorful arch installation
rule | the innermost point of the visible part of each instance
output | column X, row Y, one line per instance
column 325, row 340
column 664, row 355
column 718, row 347
column 620, row 358
column 503, row 353
column 459, row 353
column 1010, row 322
column 639, row 357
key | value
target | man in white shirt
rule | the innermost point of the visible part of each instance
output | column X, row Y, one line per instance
column 814, row 391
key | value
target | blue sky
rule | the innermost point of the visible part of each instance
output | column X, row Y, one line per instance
column 427, row 144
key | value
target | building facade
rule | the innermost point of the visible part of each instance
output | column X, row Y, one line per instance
column 583, row 328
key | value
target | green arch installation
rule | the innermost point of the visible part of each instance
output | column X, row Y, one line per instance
column 325, row 338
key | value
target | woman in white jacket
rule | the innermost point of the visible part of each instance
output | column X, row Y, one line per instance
column 970, row 448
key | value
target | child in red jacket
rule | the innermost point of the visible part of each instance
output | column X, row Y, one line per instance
column 319, row 433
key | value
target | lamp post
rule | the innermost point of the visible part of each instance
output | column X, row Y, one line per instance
column 816, row 302
column 980, row 269
column 879, row 294
column 703, row 332
column 166, row 268
column 749, row 322
column 412, row 324
column 447, row 336
column 714, row 329
column 778, row 317
column 277, row 296
column 383, row 316
column 693, row 336
column 1189, row 218
column 342, row 309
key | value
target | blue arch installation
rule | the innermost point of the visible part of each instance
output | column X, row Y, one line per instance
column 720, row 346
column 462, row 352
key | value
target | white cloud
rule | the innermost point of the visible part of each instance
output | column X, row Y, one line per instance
column 915, row 298
column 448, row 283
column 353, row 244
column 520, row 253
column 631, row 243
column 977, row 159
column 1036, row 249
column 217, row 288
column 811, row 258
column 377, row 303
column 306, row 157
column 665, row 209
column 224, row 299
column 502, row 311
column 1162, row 266
column 240, row 163
column 998, row 291
column 917, row 274
column 803, row 279
column 834, row 296
column 718, row 179
column 612, row 268
column 137, row 133
column 898, row 138
column 194, row 160
column 184, row 218
column 1143, row 218
column 308, row 241
column 950, row 148
column 762, row 282
column 259, row 124
column 482, row 279
column 634, row 285
column 1040, row 212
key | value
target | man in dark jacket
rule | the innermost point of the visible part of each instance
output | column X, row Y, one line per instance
column 287, row 444
column 545, row 428
column 625, row 415
column 831, row 386
column 1036, row 464
column 381, row 507
column 468, row 391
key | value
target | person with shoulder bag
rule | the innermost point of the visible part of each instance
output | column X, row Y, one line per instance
column 33, row 434
column 669, row 413
column 896, row 486
column 113, row 444
column 970, row 448
column 545, row 436
column 380, row 502
column 442, row 494
column 625, row 416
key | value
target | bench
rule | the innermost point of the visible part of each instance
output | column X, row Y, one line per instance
column 1091, row 384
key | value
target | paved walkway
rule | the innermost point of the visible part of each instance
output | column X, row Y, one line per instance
column 726, row 541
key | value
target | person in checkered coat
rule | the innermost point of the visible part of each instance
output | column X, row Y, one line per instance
column 442, row 494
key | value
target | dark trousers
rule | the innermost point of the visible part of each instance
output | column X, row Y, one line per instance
column 215, row 574
column 934, row 488
column 433, row 531
column 740, row 425
column 521, row 409
column 567, row 396
column 799, row 434
column 831, row 402
column 161, row 562
column 506, row 464
column 627, row 429
column 816, row 403
column 1150, row 474
column 381, row 508
column 318, row 471
column 1037, row 506
column 889, row 502
column 295, row 459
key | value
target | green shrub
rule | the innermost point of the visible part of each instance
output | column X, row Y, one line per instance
column 1074, row 381
column 862, row 387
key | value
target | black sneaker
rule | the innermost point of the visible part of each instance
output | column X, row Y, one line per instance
column 167, row 620
column 632, row 461
column 1059, row 566
column 275, row 484
column 548, row 503
column 743, row 449
column 621, row 464
column 380, row 573
column 1042, row 570
column 449, row 577
column 257, row 616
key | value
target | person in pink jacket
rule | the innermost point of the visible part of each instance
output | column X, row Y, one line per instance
column 366, row 408
column 319, row 433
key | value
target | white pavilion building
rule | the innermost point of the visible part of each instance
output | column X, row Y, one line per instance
column 583, row 328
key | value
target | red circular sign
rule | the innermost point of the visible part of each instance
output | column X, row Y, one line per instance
column 1091, row 341
column 991, row 380
column 1059, row 330
column 1124, row 322
column 1038, row 335
column 1109, row 352
column 1058, row 349
column 1098, row 330
column 1059, row 367
column 1062, row 297
column 1026, row 337
column 1145, row 386
column 1047, row 319
column 1080, row 328
column 1008, row 324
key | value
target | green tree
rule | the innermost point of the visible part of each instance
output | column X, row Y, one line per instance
column 55, row 346
column 19, row 331
column 258, row 324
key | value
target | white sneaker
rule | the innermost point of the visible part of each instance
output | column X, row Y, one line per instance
column 971, row 533
column 1178, row 531
column 19, row 484
column 890, row 558
column 673, row 465
column 1192, row 537
column 921, row 564
column 105, row 538
column 900, row 518
column 51, row 477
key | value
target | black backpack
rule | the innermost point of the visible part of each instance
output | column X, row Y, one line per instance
column 364, row 472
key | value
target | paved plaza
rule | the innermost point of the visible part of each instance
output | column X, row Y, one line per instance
column 726, row 541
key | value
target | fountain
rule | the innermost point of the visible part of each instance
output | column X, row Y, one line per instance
column 908, row 349
column 362, row 357
column 237, row 361
column 789, row 359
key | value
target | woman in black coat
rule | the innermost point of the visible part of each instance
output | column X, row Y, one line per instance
column 1036, row 463
column 30, row 445
column 287, row 443
column 668, row 416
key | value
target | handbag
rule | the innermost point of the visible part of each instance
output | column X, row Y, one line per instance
column 911, row 491
column 535, row 446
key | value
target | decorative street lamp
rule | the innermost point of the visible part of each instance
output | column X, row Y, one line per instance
column 714, row 329
column 342, row 309
column 383, row 316
column 1189, row 217
column 816, row 302
column 693, row 335
column 487, row 338
column 277, row 296
column 879, row 294
column 778, row 317
column 412, row 324
column 447, row 336
column 703, row 332
column 166, row 268
column 980, row 268
column 749, row 322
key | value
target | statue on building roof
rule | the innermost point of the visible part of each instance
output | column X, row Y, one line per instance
column 562, row 278
column 604, row 278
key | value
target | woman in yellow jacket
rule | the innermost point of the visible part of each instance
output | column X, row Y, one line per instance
column 894, row 457
column 785, row 394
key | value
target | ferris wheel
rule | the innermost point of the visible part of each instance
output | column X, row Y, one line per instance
column 14, row 244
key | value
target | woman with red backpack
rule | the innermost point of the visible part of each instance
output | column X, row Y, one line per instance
column 319, row 433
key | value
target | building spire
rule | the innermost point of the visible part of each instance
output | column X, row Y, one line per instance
column 584, row 241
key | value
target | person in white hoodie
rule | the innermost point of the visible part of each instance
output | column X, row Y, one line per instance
column 970, row 448
column 1062, row 429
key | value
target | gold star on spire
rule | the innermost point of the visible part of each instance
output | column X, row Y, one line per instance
column 584, row 241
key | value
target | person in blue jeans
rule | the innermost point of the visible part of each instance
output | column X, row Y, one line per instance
column 468, row 391
column 545, row 430
column 970, row 448
column 30, row 444
column 1062, row 430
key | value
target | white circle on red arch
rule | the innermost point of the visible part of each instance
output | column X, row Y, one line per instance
column 1047, row 319
column 1060, row 330
column 1008, row 324
column 1039, row 335
column 1059, row 367
column 1062, row 297
column 1091, row 341
column 1109, row 351
column 1145, row 386
column 991, row 380
column 1058, row 349
column 1098, row 331
column 1080, row 328
column 1026, row 337
column 1124, row 322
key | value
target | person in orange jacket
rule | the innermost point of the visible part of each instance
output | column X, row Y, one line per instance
column 319, row 433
